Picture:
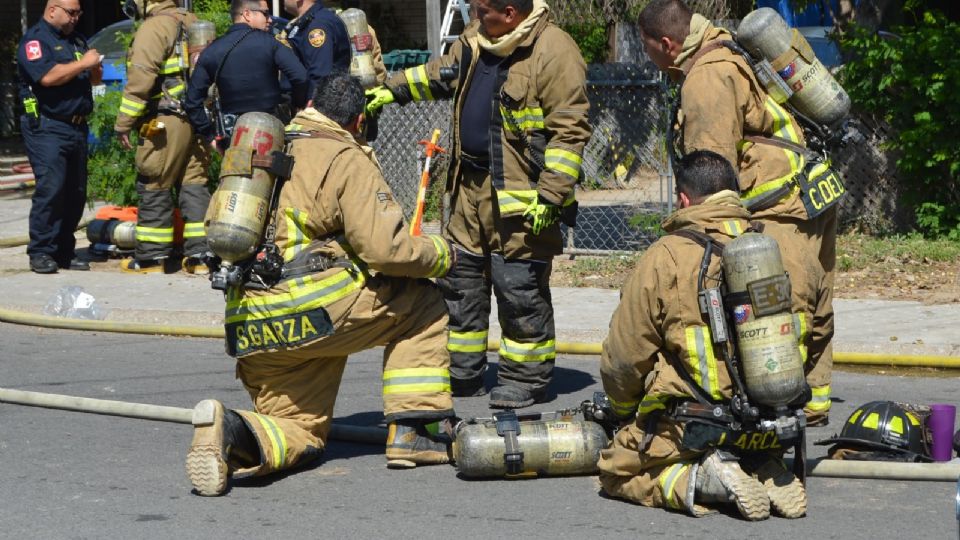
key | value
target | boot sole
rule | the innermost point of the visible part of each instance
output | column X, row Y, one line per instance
column 206, row 467
column 789, row 500
column 751, row 499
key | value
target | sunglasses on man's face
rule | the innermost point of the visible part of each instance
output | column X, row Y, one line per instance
column 73, row 13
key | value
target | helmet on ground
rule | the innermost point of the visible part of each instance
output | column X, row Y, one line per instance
column 883, row 426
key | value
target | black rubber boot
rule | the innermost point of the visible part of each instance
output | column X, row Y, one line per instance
column 468, row 387
column 514, row 397
column 418, row 442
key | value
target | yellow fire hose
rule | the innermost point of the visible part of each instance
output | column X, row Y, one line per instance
column 15, row 241
column 563, row 347
column 882, row 470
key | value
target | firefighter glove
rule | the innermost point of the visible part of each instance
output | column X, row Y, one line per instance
column 377, row 98
column 541, row 214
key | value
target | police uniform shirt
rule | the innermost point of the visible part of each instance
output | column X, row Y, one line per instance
column 248, row 81
column 320, row 39
column 42, row 48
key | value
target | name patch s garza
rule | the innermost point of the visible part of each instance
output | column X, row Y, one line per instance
column 245, row 337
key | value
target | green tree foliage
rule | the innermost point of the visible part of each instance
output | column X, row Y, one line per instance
column 592, row 40
column 112, row 173
column 913, row 82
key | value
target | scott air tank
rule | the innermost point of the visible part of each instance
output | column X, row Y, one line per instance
column 112, row 232
column 809, row 85
column 758, row 295
column 361, row 44
column 240, row 206
column 552, row 444
column 199, row 35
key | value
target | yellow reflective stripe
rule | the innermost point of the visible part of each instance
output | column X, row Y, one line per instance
column 278, row 441
column 653, row 402
column 896, row 425
column 159, row 235
column 419, row 83
column 821, row 398
column 776, row 183
column 800, row 329
column 701, row 359
column 415, row 380
column 442, row 266
column 297, row 236
column 623, row 408
column 513, row 201
column 564, row 161
column 668, row 483
column 130, row 107
column 170, row 66
column 733, row 227
column 526, row 119
column 528, row 352
column 193, row 229
column 783, row 125
column 304, row 294
column 467, row 342
column 854, row 416
column 872, row 421
column 177, row 90
column 913, row 419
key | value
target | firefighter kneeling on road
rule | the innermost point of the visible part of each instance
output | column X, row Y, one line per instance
column 350, row 283
column 660, row 363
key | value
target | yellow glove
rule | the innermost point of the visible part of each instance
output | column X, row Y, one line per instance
column 542, row 214
column 376, row 98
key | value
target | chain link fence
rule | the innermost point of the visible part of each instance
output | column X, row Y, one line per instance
column 626, row 170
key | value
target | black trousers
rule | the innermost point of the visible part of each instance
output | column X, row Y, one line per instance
column 58, row 154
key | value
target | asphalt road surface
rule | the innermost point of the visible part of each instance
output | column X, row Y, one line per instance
column 75, row 475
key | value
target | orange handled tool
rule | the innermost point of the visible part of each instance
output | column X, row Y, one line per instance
column 432, row 147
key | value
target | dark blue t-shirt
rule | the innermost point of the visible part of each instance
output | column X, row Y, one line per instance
column 42, row 48
column 477, row 109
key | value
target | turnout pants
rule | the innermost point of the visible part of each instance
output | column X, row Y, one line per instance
column 171, row 158
column 294, row 391
column 661, row 475
column 58, row 155
column 819, row 236
column 502, row 253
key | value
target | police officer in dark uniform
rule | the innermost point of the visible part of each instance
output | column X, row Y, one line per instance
column 244, row 64
column 320, row 39
column 55, row 68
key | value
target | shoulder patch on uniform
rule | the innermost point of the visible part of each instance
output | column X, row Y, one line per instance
column 317, row 37
column 33, row 50
column 281, row 37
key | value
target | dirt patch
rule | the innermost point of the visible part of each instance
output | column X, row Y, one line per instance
column 889, row 278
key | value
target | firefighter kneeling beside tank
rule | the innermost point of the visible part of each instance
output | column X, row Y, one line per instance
column 315, row 268
column 703, row 363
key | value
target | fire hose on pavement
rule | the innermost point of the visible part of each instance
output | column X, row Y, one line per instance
column 881, row 470
column 563, row 347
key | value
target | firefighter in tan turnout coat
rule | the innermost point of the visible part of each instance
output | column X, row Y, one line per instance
column 723, row 108
column 520, row 125
column 292, row 340
column 659, row 345
column 169, row 154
